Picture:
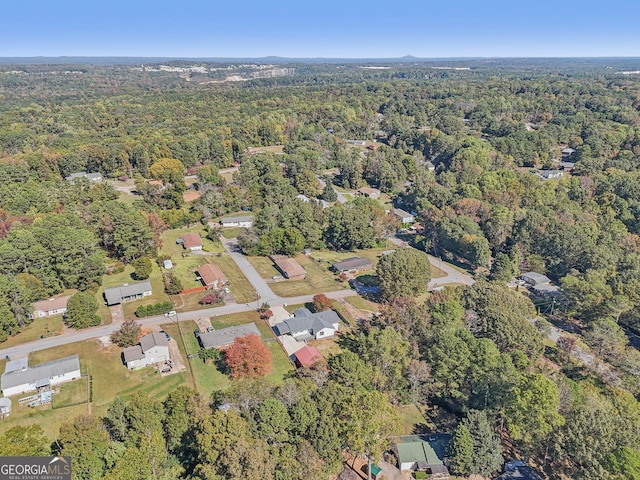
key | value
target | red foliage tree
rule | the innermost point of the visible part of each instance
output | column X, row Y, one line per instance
column 266, row 315
column 321, row 302
column 208, row 299
column 248, row 357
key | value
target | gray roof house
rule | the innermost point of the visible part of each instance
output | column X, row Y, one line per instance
column 534, row 278
column 405, row 217
column 242, row 221
column 18, row 377
column 92, row 177
column 305, row 325
column 226, row 336
column 153, row 348
column 353, row 264
column 127, row 292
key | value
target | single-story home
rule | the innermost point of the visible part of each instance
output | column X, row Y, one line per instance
column 92, row 177
column 127, row 292
column 423, row 453
column 289, row 267
column 567, row 152
column 369, row 192
column 308, row 356
column 243, row 221
column 153, row 348
column 305, row 325
column 52, row 306
column 18, row 377
column 192, row 241
column 534, row 278
column 353, row 264
column 303, row 198
column 225, row 336
column 405, row 217
column 550, row 174
column 211, row 276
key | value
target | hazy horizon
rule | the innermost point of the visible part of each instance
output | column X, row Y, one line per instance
column 345, row 30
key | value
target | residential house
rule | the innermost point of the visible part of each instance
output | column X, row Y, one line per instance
column 405, row 217
column 567, row 152
column 289, row 267
column 18, row 377
column 308, row 356
column 211, row 276
column 303, row 198
column 534, row 278
column 373, row 193
column 52, row 306
column 127, row 292
column 192, row 241
column 92, row 177
column 353, row 265
column 243, row 221
column 517, row 470
column 359, row 143
column 226, row 336
column 424, row 453
column 305, row 325
column 550, row 174
column 153, row 348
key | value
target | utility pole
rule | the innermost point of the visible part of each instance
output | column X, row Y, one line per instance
column 88, row 393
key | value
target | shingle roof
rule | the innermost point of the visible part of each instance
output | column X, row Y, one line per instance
column 132, row 353
column 236, row 219
column 401, row 213
column 152, row 340
column 116, row 294
column 210, row 273
column 41, row 371
column 226, row 336
column 307, row 356
column 190, row 240
column 51, row 304
column 288, row 266
column 351, row 263
column 304, row 320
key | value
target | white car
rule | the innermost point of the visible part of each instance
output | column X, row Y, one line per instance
column 172, row 313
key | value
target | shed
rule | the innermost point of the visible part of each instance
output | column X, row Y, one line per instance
column 307, row 356
column 5, row 407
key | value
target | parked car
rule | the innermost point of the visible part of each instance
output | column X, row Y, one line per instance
column 166, row 335
column 172, row 313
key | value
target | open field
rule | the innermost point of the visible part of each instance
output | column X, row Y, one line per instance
column 264, row 266
column 318, row 279
column 363, row 304
column 40, row 327
column 411, row 420
column 230, row 232
column 110, row 378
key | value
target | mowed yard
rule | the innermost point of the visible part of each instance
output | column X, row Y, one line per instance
column 109, row 378
column 208, row 377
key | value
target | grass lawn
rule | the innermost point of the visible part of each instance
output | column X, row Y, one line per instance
column 264, row 266
column 228, row 177
column 363, row 304
column 184, row 269
column 110, row 378
column 129, row 308
column 230, row 232
column 40, row 327
column 170, row 247
column 411, row 420
column 240, row 287
column 318, row 279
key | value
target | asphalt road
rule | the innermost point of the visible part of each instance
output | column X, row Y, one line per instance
column 341, row 197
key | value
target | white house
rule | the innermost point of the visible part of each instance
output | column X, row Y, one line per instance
column 534, row 278
column 18, row 377
column 305, row 325
column 153, row 348
column 244, row 222
column 92, row 177
column 405, row 217
column 52, row 306
column 192, row 241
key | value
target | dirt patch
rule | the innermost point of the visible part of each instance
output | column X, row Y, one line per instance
column 177, row 362
column 117, row 314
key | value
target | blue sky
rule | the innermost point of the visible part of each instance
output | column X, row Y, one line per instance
column 329, row 28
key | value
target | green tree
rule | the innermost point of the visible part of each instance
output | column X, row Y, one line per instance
column 86, row 441
column 143, row 268
column 607, row 338
column 81, row 311
column 404, row 273
column 487, row 451
column 461, row 451
column 172, row 284
column 272, row 420
column 127, row 335
column 19, row 441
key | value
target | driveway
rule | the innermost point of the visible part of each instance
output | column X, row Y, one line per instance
column 341, row 197
column 258, row 283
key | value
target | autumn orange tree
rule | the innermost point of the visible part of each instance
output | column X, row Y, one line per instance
column 248, row 357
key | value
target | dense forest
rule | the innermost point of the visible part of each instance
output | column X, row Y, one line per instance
column 464, row 146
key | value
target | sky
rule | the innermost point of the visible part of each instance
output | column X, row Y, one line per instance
column 328, row 28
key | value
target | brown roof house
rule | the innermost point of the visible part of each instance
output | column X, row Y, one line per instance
column 153, row 348
column 53, row 306
column 192, row 241
column 211, row 276
column 289, row 267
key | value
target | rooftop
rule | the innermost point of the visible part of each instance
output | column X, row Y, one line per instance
column 307, row 356
column 401, row 213
column 154, row 339
column 51, row 304
column 132, row 353
column 226, row 336
column 116, row 294
column 190, row 240
column 426, row 450
column 244, row 218
column 351, row 263
column 304, row 320
column 288, row 266
column 46, row 370
column 211, row 274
